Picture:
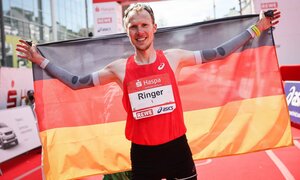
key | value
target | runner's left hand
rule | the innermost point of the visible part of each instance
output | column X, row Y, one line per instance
column 265, row 22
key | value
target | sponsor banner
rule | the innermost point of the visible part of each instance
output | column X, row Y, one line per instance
column 286, row 45
column 107, row 18
column 264, row 5
column 18, row 132
column 292, row 91
column 269, row 5
column 290, row 72
column 14, row 84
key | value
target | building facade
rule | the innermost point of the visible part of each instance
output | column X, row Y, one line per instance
column 41, row 21
column 54, row 20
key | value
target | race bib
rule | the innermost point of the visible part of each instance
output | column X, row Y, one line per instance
column 151, row 96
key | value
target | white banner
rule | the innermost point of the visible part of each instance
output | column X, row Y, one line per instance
column 18, row 132
column 107, row 18
column 14, row 84
column 286, row 33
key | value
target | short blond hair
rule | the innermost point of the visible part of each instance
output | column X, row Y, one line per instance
column 137, row 7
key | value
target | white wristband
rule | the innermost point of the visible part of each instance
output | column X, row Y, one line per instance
column 44, row 63
column 95, row 76
column 198, row 57
column 250, row 30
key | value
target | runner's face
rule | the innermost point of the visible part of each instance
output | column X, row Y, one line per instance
column 140, row 30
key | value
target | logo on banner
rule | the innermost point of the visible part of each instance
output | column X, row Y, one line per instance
column 11, row 96
column 292, row 90
column 269, row 5
column 103, row 9
column 293, row 98
column 104, row 20
column 101, row 29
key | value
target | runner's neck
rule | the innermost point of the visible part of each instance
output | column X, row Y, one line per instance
column 145, row 57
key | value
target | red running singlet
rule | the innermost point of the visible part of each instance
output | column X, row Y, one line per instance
column 151, row 99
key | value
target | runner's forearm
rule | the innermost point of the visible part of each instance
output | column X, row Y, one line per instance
column 72, row 81
column 225, row 49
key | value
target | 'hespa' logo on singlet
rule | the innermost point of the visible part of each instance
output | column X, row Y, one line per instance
column 138, row 83
column 148, row 82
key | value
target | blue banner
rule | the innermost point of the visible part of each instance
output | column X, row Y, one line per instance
column 292, row 91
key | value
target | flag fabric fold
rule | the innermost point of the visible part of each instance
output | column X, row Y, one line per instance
column 232, row 106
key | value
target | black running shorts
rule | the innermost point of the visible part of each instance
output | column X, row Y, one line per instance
column 172, row 160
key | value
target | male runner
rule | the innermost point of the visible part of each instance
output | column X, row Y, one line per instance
column 155, row 122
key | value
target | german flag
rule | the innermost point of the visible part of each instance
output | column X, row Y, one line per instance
column 232, row 106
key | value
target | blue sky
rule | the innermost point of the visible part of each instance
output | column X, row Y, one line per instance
column 179, row 12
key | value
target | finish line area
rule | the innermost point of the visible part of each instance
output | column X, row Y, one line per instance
column 281, row 163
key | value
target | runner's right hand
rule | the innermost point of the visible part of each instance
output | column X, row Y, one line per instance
column 29, row 52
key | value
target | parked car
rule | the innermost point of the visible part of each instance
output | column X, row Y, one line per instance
column 7, row 136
